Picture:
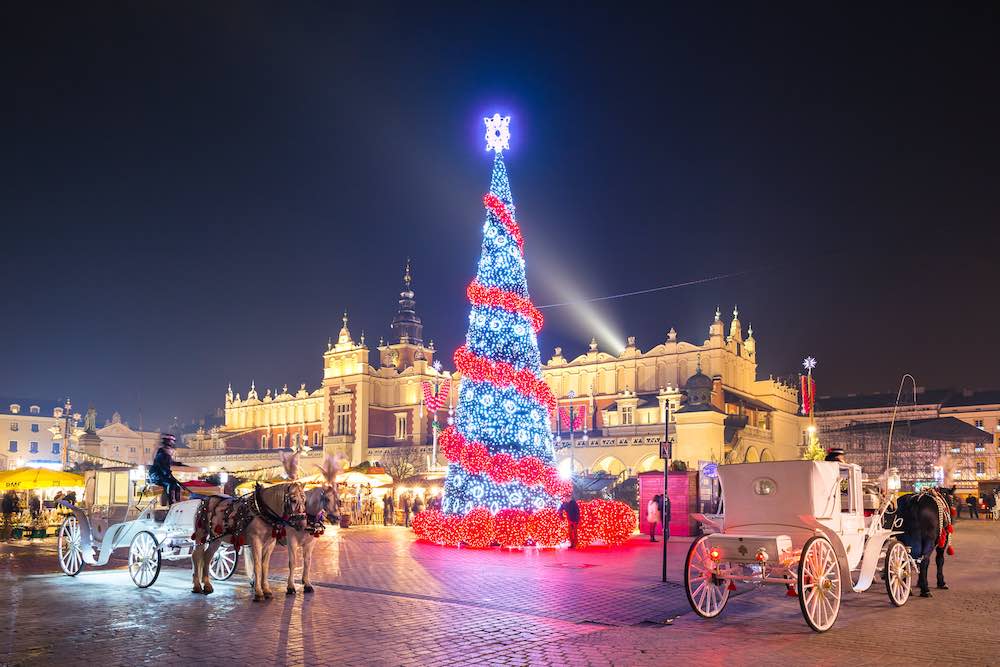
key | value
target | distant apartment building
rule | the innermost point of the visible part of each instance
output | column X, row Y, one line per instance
column 26, row 429
column 973, row 453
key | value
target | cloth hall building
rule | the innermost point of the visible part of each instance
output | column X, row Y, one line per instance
column 718, row 409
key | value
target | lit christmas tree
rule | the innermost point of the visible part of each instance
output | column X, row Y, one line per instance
column 502, row 484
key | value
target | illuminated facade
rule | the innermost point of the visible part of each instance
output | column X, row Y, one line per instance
column 719, row 410
column 359, row 410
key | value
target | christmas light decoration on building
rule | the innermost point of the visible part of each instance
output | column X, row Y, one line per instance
column 502, row 485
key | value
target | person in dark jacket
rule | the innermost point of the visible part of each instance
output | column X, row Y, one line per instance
column 973, row 504
column 159, row 473
column 388, row 510
column 571, row 510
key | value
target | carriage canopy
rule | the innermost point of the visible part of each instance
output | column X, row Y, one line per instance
column 779, row 492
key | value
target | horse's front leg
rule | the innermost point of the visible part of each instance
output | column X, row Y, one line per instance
column 939, row 562
column 196, row 556
column 293, row 548
column 258, row 555
column 308, row 543
column 265, row 568
column 208, row 552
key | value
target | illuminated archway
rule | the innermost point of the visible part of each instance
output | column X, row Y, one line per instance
column 609, row 464
column 650, row 463
column 752, row 456
column 766, row 455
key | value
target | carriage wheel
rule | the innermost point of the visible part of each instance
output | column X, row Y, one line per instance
column 706, row 593
column 224, row 562
column 896, row 573
column 70, row 546
column 144, row 559
column 819, row 584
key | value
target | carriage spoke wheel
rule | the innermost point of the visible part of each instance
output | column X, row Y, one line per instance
column 705, row 591
column 70, row 546
column 897, row 573
column 223, row 562
column 819, row 584
column 144, row 559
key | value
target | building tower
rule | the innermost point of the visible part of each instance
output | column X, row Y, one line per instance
column 406, row 343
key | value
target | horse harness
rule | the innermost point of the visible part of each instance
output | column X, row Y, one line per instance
column 945, row 527
column 278, row 524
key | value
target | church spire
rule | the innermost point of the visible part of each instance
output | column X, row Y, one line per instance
column 406, row 325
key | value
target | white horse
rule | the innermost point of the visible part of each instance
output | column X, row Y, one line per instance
column 257, row 519
column 322, row 504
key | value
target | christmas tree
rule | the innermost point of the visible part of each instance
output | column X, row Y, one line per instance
column 502, row 484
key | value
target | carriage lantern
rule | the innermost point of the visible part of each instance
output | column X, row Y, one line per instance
column 894, row 482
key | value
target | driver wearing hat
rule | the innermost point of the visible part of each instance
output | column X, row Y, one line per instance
column 836, row 454
column 159, row 473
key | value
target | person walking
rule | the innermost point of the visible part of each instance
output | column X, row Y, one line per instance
column 10, row 507
column 571, row 510
column 404, row 502
column 388, row 510
column 973, row 504
column 418, row 504
column 654, row 515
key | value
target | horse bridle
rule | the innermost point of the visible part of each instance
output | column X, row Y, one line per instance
column 288, row 518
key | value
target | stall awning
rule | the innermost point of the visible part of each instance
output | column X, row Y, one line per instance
column 25, row 479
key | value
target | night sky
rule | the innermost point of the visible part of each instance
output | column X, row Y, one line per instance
column 193, row 194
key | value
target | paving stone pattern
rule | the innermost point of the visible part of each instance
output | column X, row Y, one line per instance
column 384, row 599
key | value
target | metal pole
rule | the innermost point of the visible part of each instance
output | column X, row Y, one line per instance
column 665, row 508
column 572, row 450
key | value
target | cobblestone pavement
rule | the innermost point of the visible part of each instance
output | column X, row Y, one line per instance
column 383, row 599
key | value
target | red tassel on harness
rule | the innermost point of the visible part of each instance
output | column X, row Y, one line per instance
column 951, row 550
column 942, row 539
column 790, row 592
column 218, row 529
column 954, row 513
column 732, row 586
column 950, row 528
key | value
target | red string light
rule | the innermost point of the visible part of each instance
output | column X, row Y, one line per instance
column 480, row 295
column 501, row 374
column 498, row 209
column 608, row 521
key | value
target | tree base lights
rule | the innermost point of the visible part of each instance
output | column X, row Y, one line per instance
column 503, row 487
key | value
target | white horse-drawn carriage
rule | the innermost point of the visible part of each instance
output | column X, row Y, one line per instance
column 800, row 524
column 115, row 520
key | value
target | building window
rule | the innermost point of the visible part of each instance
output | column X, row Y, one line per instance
column 263, row 441
column 980, row 468
column 55, row 447
column 979, row 424
column 33, row 447
column 34, row 428
column 131, row 450
column 626, row 416
column 295, row 440
column 315, row 438
column 281, row 440
column 956, row 450
column 14, row 426
column 400, row 427
column 343, row 424
column 34, row 409
column 13, row 446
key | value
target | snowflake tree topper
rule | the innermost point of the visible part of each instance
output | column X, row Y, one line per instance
column 497, row 133
column 809, row 363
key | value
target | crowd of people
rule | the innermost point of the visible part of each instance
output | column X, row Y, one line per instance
column 30, row 511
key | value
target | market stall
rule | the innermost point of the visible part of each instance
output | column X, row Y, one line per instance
column 32, row 494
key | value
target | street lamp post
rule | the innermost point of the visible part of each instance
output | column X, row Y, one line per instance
column 64, row 433
column 572, row 436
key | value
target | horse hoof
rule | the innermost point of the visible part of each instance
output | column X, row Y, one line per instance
column 258, row 598
column 268, row 595
column 308, row 589
column 196, row 590
column 942, row 587
column 208, row 591
column 926, row 594
column 290, row 590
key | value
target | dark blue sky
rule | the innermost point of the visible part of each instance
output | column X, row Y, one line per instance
column 193, row 194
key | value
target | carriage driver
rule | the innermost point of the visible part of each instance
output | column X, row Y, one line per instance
column 836, row 454
column 159, row 473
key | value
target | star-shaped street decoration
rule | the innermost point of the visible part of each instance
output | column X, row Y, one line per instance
column 808, row 363
column 437, row 365
column 497, row 133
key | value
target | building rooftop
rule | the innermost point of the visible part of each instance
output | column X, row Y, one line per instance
column 948, row 429
column 45, row 405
